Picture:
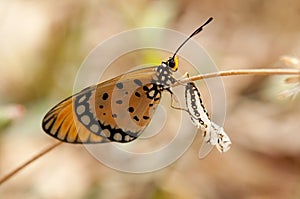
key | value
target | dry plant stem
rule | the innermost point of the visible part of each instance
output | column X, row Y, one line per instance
column 241, row 72
column 194, row 78
column 22, row 166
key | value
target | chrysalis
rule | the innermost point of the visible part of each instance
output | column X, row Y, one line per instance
column 213, row 134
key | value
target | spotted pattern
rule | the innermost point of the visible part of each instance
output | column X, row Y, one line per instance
column 153, row 91
column 164, row 76
column 214, row 135
column 196, row 108
column 86, row 117
column 62, row 124
column 125, row 136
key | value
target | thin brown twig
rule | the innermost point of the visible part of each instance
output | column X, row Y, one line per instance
column 242, row 72
column 194, row 78
column 22, row 166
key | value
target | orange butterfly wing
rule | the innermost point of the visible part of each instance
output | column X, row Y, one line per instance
column 60, row 123
column 115, row 110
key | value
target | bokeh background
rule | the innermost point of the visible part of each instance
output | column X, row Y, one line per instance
column 43, row 44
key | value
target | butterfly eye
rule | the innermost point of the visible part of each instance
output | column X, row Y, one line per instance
column 173, row 63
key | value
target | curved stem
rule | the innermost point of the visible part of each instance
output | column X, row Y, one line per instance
column 22, row 166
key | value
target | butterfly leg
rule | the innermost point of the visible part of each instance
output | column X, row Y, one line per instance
column 183, row 77
column 175, row 99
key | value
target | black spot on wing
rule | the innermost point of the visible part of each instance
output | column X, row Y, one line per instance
column 105, row 96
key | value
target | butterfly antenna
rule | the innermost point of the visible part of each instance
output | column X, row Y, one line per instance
column 193, row 34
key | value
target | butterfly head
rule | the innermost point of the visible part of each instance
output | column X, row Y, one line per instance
column 172, row 63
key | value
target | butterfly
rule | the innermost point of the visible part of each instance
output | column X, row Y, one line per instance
column 213, row 134
column 116, row 110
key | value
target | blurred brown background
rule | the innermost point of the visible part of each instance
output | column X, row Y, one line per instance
column 43, row 44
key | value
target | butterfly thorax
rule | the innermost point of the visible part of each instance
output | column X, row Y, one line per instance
column 163, row 76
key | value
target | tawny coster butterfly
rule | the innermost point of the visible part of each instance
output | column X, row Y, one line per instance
column 213, row 134
column 118, row 109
